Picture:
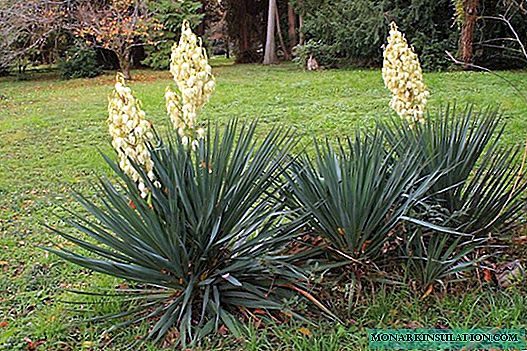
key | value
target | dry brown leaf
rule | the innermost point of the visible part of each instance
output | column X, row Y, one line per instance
column 487, row 275
column 305, row 331
column 428, row 291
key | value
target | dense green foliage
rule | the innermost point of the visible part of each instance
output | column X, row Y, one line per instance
column 80, row 62
column 170, row 14
column 480, row 193
column 348, row 32
column 442, row 194
column 352, row 32
column 357, row 194
column 480, row 189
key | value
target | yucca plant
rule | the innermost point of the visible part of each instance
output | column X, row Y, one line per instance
column 357, row 194
column 206, row 244
column 482, row 184
column 435, row 257
column 478, row 196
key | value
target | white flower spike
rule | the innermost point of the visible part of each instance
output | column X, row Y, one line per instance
column 130, row 132
column 195, row 84
column 403, row 76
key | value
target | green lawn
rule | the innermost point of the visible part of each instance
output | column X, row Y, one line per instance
column 51, row 133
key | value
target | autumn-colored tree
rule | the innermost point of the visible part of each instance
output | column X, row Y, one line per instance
column 116, row 25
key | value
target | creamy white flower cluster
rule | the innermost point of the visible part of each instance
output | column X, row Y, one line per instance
column 403, row 76
column 130, row 132
column 195, row 84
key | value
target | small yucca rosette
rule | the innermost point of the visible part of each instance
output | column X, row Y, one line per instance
column 130, row 131
column 403, row 76
column 194, row 80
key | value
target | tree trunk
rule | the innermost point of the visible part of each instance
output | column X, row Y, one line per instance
column 291, row 19
column 300, row 25
column 287, row 55
column 201, row 28
column 243, row 44
column 270, row 47
column 466, row 41
column 225, row 34
column 124, row 64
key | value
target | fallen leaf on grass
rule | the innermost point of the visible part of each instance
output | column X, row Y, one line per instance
column 305, row 331
column 4, row 324
column 223, row 330
column 428, row 291
column 88, row 344
column 520, row 240
column 413, row 325
column 32, row 345
column 487, row 275
column 3, row 263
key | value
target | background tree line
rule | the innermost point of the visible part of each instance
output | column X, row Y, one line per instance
column 90, row 35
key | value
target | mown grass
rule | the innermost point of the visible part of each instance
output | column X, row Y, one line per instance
column 51, row 133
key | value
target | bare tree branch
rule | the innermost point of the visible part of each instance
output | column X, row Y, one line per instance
column 507, row 21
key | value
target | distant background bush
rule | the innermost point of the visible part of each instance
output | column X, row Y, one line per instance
column 170, row 14
column 80, row 62
column 352, row 32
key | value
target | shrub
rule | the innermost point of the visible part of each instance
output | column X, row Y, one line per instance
column 169, row 14
column 482, row 185
column 80, row 62
column 437, row 194
column 479, row 194
column 208, row 243
column 357, row 194
column 432, row 257
column 324, row 53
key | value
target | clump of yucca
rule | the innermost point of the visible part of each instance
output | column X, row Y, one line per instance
column 211, row 239
column 403, row 76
